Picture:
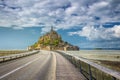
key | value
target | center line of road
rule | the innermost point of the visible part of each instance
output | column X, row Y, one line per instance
column 18, row 68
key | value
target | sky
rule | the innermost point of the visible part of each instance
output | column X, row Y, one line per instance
column 85, row 23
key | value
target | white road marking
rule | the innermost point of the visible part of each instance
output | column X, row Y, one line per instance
column 18, row 68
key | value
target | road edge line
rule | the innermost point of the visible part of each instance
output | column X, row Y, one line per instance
column 20, row 67
column 54, row 59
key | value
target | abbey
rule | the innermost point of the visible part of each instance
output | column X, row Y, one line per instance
column 52, row 41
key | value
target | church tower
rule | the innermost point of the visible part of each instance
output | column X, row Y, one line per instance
column 52, row 28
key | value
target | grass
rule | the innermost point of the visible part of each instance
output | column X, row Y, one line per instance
column 9, row 52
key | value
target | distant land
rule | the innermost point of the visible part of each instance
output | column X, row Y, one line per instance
column 52, row 41
column 99, row 48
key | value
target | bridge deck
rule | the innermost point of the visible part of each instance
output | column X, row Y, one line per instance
column 65, row 70
column 42, row 66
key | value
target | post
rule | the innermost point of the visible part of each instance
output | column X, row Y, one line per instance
column 16, row 56
column 113, row 78
column 80, row 66
column 3, row 59
column 11, row 57
column 90, row 73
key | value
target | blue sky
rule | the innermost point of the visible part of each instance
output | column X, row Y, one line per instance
column 85, row 23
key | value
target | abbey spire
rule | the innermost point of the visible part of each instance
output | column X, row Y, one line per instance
column 52, row 28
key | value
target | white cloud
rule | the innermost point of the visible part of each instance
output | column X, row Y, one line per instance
column 98, row 6
column 63, row 14
column 116, row 30
column 99, row 33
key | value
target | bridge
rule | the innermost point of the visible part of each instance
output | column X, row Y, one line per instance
column 45, row 65
column 49, row 65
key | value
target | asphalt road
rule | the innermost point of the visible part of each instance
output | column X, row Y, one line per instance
column 45, row 65
column 35, row 67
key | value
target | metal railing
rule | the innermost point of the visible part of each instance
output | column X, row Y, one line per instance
column 91, row 70
column 15, row 56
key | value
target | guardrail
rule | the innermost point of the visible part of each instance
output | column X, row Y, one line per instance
column 91, row 70
column 15, row 56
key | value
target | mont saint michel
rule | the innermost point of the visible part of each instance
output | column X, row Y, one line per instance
column 52, row 41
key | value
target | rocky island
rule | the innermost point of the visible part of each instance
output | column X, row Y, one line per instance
column 52, row 41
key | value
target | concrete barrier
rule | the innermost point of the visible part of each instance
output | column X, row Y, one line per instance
column 15, row 56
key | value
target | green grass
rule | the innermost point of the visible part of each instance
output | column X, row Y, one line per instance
column 9, row 52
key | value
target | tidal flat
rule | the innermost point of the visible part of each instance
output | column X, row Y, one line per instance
column 107, row 58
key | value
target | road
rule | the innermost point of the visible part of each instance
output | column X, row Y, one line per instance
column 45, row 65
column 65, row 70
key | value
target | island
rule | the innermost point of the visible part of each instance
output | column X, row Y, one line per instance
column 52, row 41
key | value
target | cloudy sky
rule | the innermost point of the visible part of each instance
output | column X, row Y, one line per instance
column 85, row 23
